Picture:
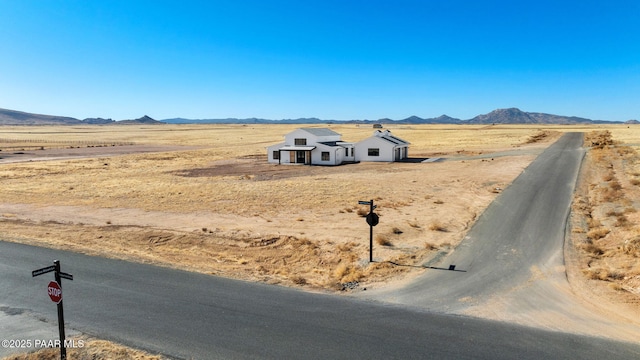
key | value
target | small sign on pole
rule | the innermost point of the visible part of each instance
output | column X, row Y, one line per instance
column 372, row 219
column 54, row 290
column 44, row 270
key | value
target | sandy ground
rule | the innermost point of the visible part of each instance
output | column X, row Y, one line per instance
column 322, row 246
column 35, row 154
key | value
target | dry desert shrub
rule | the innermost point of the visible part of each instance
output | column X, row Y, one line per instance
column 621, row 221
column 597, row 233
column 299, row 280
column 599, row 139
column 617, row 287
column 437, row 226
column 383, row 239
column 346, row 247
column 597, row 274
column 612, row 213
column 608, row 177
column 632, row 247
column 430, row 246
column 593, row 223
column 615, row 185
column 541, row 135
column 345, row 273
column 593, row 249
column 604, row 274
column 91, row 350
column 610, row 194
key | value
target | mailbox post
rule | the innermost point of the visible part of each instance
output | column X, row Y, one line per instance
column 372, row 219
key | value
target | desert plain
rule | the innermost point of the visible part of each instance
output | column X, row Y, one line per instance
column 203, row 198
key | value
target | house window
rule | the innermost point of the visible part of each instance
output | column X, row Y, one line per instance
column 325, row 156
column 300, row 141
column 346, row 152
column 374, row 152
column 276, row 155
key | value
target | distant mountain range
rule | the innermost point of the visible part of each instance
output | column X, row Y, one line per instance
column 13, row 117
column 499, row 116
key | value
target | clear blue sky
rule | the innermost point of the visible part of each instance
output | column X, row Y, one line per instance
column 332, row 59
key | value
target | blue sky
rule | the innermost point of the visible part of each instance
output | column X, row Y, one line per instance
column 328, row 59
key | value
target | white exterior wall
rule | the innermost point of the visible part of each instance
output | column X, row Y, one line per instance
column 386, row 149
column 270, row 151
column 336, row 154
column 351, row 147
column 389, row 150
column 311, row 139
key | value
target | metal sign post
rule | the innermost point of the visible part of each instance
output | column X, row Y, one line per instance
column 372, row 219
column 54, row 289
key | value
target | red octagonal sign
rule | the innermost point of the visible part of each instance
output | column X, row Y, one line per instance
column 54, row 291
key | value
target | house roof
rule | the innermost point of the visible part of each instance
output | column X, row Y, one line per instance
column 294, row 148
column 329, row 143
column 386, row 135
column 320, row 131
column 394, row 140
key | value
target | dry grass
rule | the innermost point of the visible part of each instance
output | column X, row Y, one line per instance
column 437, row 226
column 608, row 204
column 414, row 224
column 91, row 349
column 213, row 204
column 346, row 274
column 597, row 233
column 430, row 246
column 632, row 247
column 383, row 239
column 593, row 249
column 239, row 226
column 362, row 212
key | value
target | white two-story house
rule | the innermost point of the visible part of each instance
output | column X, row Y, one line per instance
column 311, row 146
column 321, row 146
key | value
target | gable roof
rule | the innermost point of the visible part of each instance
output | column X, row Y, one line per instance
column 394, row 140
column 320, row 131
column 386, row 135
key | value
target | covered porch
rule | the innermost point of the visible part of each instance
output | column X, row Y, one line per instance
column 297, row 154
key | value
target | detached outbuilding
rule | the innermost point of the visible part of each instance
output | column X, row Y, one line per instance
column 319, row 146
column 382, row 146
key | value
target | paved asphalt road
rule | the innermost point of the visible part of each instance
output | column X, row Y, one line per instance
column 523, row 228
column 194, row 316
column 187, row 315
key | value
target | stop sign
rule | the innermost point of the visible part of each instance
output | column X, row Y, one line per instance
column 373, row 219
column 55, row 292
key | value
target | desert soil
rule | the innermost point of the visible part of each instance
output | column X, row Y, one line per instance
column 219, row 208
column 315, row 241
column 93, row 349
